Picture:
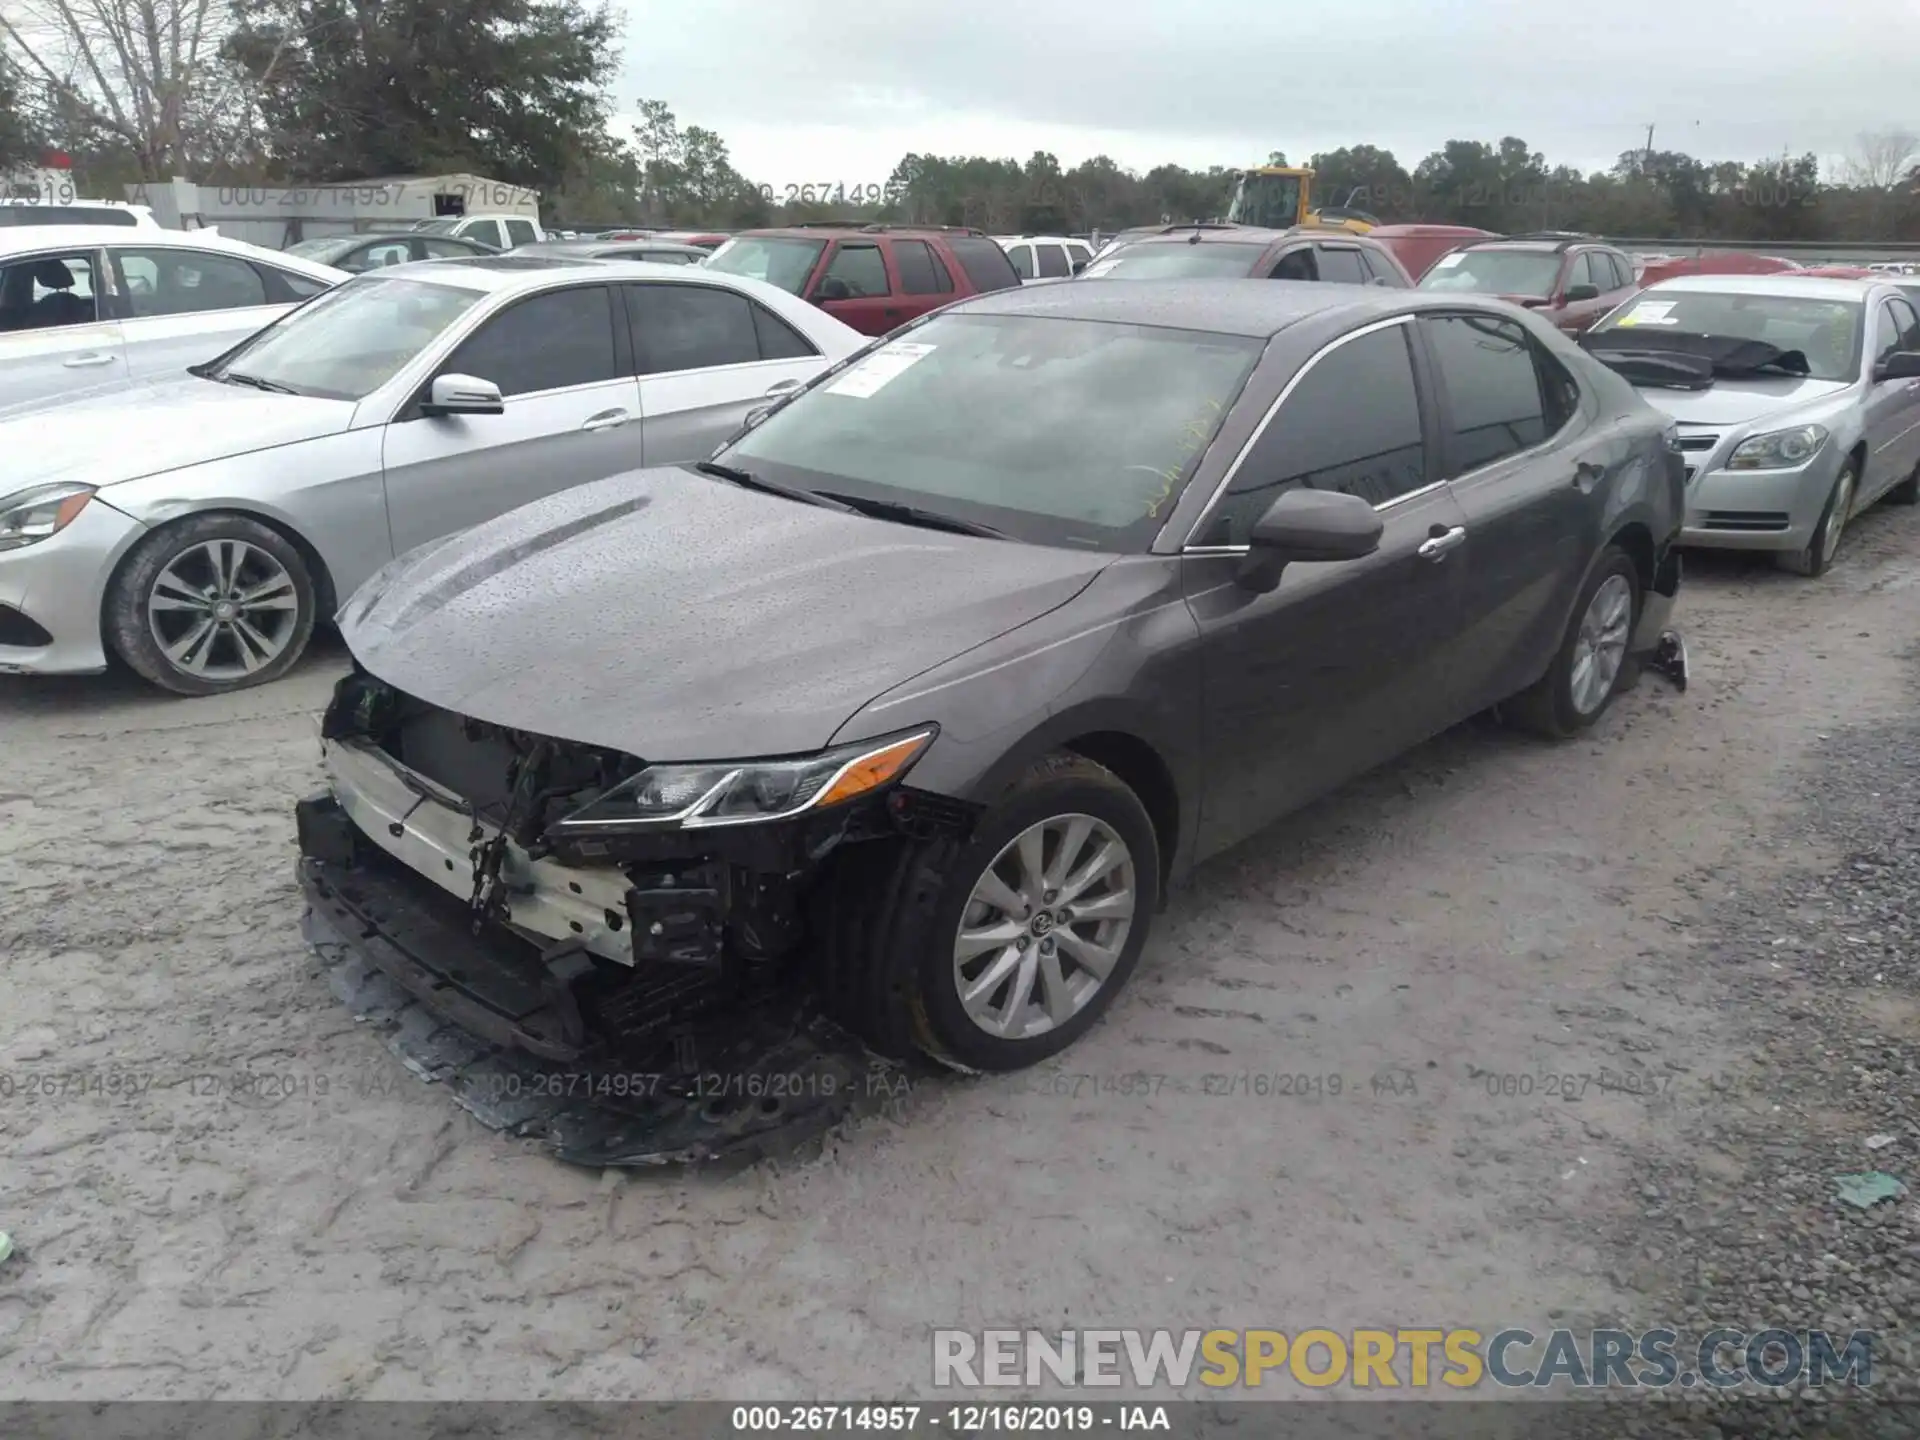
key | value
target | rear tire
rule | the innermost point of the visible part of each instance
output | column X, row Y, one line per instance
column 897, row 966
column 210, row 604
column 1592, row 665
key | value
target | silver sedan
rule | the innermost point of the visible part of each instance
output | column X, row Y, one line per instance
column 199, row 526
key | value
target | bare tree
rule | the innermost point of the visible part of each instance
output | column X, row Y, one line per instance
column 145, row 75
column 1880, row 160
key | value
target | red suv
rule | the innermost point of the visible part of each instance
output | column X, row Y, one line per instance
column 872, row 277
column 1572, row 280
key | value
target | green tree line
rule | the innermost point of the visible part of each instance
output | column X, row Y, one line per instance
column 310, row 91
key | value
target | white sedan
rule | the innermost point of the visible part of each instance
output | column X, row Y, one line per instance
column 199, row 526
column 87, row 306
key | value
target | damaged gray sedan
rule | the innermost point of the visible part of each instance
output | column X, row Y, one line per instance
column 917, row 697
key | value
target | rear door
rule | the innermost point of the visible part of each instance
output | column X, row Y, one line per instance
column 57, row 332
column 1342, row 265
column 856, row 288
column 925, row 283
column 572, row 405
column 1348, row 662
column 1502, row 403
column 180, row 307
column 707, row 357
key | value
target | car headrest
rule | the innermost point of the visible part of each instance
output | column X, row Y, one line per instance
column 53, row 275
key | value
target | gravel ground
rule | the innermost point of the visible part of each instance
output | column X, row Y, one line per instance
column 1480, row 918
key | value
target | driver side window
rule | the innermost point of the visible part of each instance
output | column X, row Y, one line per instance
column 860, row 268
column 549, row 342
column 1352, row 424
column 1896, row 330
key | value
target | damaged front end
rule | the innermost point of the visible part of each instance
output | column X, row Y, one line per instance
column 626, row 939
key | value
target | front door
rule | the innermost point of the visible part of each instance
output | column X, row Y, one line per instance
column 1893, row 406
column 55, row 337
column 1529, row 518
column 1347, row 663
column 856, row 288
column 571, row 412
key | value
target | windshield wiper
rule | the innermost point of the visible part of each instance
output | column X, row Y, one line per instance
column 234, row 377
column 746, row 479
column 914, row 515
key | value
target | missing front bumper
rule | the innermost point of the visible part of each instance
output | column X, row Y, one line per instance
column 672, row 1074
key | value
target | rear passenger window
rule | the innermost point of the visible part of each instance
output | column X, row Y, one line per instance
column 914, row 259
column 1352, row 424
column 1022, row 258
column 1296, row 265
column 1053, row 261
column 690, row 327
column 1494, row 401
column 860, row 269
column 984, row 261
column 1341, row 265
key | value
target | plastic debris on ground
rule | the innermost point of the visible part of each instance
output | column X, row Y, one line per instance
column 1869, row 1189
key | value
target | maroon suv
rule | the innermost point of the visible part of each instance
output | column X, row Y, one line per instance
column 1572, row 280
column 872, row 277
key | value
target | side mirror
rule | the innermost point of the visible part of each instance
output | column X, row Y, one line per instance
column 1577, row 293
column 463, row 395
column 1901, row 365
column 833, row 288
column 1308, row 525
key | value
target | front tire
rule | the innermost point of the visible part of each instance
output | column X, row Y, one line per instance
column 1000, row 951
column 1591, row 666
column 1816, row 557
column 210, row 604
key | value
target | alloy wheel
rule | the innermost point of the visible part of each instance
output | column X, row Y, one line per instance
column 1601, row 644
column 223, row 610
column 1044, row 926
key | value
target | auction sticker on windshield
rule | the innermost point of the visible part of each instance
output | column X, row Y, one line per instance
column 1650, row 312
column 1447, row 262
column 877, row 369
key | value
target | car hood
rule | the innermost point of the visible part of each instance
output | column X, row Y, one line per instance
column 1735, row 402
column 673, row 616
column 127, row 432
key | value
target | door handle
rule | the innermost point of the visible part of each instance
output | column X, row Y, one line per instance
column 607, row 420
column 89, row 360
column 782, row 386
column 1435, row 547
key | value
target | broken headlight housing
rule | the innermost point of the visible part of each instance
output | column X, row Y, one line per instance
column 1778, row 450
column 747, row 792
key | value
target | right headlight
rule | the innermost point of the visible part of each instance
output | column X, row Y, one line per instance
column 1778, row 449
column 30, row 516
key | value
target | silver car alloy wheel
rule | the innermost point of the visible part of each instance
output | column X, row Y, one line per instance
column 1601, row 644
column 1044, row 926
column 1836, row 517
column 222, row 610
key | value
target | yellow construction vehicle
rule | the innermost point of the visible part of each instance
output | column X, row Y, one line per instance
column 1279, row 197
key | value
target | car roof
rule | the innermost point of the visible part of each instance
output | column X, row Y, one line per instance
column 828, row 232
column 1800, row 287
column 1257, row 309
column 584, row 248
column 14, row 241
column 514, row 271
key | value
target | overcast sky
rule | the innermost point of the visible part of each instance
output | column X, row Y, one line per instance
column 836, row 91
